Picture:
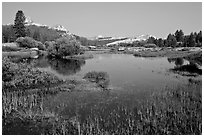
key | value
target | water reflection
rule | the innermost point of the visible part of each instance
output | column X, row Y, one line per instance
column 185, row 67
column 66, row 67
column 177, row 61
column 61, row 66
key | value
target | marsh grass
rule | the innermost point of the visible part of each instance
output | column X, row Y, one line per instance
column 100, row 78
column 24, row 114
column 174, row 111
column 171, row 111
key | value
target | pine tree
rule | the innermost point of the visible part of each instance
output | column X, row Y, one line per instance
column 160, row 42
column 171, row 41
column 179, row 36
column 192, row 40
column 151, row 40
column 20, row 29
column 199, row 37
column 186, row 41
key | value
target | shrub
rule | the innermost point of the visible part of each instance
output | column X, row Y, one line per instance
column 49, row 44
column 24, row 76
column 40, row 46
column 64, row 46
column 100, row 78
column 8, row 69
column 28, row 42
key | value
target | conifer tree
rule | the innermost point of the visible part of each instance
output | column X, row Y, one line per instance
column 19, row 24
column 179, row 36
column 171, row 40
column 192, row 40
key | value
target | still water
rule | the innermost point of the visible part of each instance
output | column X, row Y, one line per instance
column 125, row 71
column 131, row 79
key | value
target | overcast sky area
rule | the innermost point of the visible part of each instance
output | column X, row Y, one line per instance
column 112, row 19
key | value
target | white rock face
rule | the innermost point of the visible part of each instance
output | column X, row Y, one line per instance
column 60, row 28
column 29, row 21
column 112, row 38
column 130, row 40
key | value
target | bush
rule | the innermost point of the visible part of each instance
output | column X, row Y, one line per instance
column 8, row 69
column 100, row 78
column 28, row 42
column 40, row 46
column 24, row 76
column 64, row 46
column 49, row 44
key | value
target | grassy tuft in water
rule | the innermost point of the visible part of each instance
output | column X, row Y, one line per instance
column 100, row 78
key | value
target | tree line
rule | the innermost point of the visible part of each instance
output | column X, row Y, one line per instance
column 178, row 39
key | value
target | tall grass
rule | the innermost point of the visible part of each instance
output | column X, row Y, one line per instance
column 176, row 110
column 24, row 114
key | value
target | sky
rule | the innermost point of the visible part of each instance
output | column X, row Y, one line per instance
column 112, row 19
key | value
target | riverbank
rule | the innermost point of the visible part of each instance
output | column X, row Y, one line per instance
column 164, row 53
column 81, row 56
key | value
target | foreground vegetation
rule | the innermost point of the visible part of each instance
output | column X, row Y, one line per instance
column 176, row 110
column 173, row 111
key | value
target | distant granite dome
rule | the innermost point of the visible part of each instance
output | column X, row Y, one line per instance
column 28, row 20
column 60, row 28
column 131, row 40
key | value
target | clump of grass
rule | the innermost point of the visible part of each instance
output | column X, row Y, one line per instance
column 172, row 111
column 100, row 78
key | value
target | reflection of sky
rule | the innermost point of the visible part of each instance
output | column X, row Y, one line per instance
column 134, row 77
column 126, row 71
column 130, row 72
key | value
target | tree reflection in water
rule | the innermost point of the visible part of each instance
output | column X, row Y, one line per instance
column 177, row 61
column 66, row 66
column 190, row 67
column 61, row 66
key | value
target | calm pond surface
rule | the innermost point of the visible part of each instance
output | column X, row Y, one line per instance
column 131, row 79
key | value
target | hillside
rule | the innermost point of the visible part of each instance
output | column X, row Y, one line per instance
column 43, row 33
